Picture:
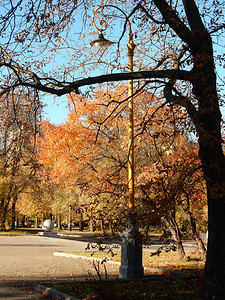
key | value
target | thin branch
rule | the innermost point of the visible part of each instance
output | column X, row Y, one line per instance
column 217, row 28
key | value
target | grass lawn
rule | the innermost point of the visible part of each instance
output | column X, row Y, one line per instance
column 150, row 287
column 18, row 232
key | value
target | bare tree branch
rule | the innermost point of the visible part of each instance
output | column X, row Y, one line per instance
column 174, row 21
column 193, row 16
column 43, row 84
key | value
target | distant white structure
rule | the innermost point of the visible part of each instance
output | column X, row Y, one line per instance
column 48, row 225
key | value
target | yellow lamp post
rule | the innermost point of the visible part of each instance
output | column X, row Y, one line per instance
column 131, row 249
column 100, row 45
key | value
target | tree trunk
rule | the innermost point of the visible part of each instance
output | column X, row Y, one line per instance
column 215, row 263
column 92, row 226
column 4, row 211
column 42, row 218
column 59, row 221
column 13, row 216
column 14, row 211
column 81, row 222
column 69, row 220
column 102, row 225
column 37, row 222
column 176, row 235
column 1, row 213
column 207, row 122
column 3, row 219
column 213, row 165
column 23, row 221
column 197, row 238
column 195, row 234
column 111, row 227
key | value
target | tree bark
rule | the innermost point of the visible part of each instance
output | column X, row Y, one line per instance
column 23, row 221
column 111, row 227
column 69, row 219
column 214, row 276
column 3, row 219
column 37, row 222
column 213, row 165
column 92, row 226
column 5, row 209
column 2, row 223
column 81, row 222
column 14, row 211
column 59, row 221
column 102, row 225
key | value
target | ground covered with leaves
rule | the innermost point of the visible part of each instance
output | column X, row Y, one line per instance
column 192, row 263
column 146, row 288
column 152, row 286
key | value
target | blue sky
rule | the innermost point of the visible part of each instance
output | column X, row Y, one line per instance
column 56, row 109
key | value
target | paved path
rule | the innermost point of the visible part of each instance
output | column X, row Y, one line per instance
column 26, row 259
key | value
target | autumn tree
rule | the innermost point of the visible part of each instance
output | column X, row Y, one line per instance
column 171, row 184
column 85, row 155
column 19, row 125
column 180, row 62
column 73, row 160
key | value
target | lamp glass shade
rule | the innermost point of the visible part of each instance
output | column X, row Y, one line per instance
column 100, row 45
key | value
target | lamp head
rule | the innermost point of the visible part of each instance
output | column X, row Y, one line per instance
column 101, row 44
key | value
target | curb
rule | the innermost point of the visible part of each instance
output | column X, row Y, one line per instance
column 54, row 293
column 67, row 255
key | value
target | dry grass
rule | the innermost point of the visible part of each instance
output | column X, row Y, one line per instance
column 168, row 261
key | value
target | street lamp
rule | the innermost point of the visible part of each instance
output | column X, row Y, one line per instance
column 101, row 44
column 131, row 249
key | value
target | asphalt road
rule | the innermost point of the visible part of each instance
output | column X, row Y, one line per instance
column 25, row 260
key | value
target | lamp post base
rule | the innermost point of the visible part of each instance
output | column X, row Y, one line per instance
column 131, row 250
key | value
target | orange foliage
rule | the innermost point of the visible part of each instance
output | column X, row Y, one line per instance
column 90, row 151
